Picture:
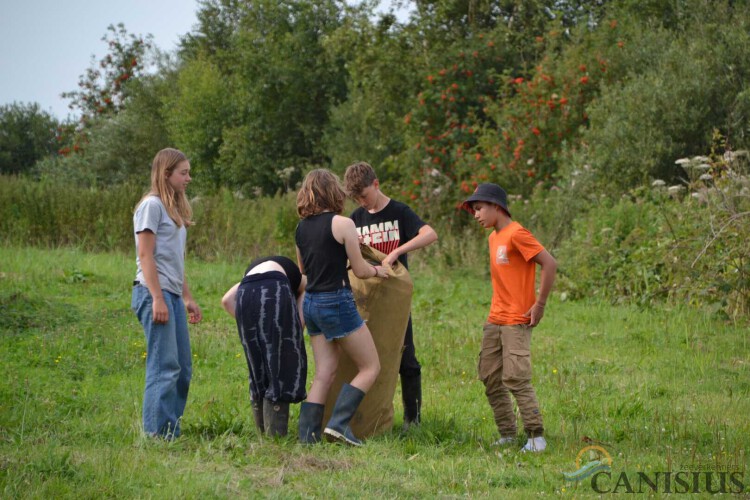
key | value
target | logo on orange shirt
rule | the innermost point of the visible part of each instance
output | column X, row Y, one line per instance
column 501, row 256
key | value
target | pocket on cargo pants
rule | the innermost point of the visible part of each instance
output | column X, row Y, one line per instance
column 491, row 356
column 517, row 365
column 516, row 355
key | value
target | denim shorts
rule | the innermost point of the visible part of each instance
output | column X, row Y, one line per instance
column 334, row 314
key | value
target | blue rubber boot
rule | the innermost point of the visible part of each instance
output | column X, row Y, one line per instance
column 310, row 422
column 346, row 405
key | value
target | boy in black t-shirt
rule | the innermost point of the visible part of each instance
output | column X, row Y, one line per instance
column 394, row 229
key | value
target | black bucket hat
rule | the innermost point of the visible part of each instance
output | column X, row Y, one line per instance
column 491, row 193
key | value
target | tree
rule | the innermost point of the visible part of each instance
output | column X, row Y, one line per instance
column 275, row 80
column 382, row 77
column 103, row 90
column 199, row 111
column 27, row 134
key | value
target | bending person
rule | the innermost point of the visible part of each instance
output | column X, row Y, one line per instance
column 266, row 305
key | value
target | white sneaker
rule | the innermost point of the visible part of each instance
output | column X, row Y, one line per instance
column 504, row 441
column 536, row 444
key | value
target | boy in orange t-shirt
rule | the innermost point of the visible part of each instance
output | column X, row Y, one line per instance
column 505, row 358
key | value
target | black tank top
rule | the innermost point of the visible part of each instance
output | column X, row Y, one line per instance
column 323, row 258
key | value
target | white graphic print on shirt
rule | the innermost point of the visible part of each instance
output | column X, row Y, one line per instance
column 501, row 257
column 384, row 236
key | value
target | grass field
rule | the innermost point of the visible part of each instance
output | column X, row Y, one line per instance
column 662, row 389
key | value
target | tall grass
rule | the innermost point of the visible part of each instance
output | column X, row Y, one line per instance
column 660, row 389
column 227, row 228
column 52, row 215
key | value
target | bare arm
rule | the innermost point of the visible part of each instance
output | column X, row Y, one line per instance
column 549, row 269
column 300, row 299
column 228, row 301
column 425, row 236
column 194, row 311
column 345, row 232
column 302, row 285
column 299, row 263
column 146, row 246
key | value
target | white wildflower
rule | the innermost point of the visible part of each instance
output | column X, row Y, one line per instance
column 700, row 196
column 658, row 183
column 683, row 161
column 703, row 166
column 706, row 177
column 675, row 189
column 286, row 173
column 530, row 161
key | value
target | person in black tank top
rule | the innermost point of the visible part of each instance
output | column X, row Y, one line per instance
column 325, row 241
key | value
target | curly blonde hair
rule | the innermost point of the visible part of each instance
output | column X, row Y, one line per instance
column 321, row 191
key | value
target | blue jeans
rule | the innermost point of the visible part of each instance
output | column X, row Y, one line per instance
column 334, row 314
column 168, row 363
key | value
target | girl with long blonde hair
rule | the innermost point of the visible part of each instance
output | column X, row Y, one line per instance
column 161, row 297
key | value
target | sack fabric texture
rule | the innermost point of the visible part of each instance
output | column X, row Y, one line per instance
column 385, row 305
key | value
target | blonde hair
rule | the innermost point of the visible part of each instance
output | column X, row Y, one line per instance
column 358, row 176
column 177, row 204
column 321, row 191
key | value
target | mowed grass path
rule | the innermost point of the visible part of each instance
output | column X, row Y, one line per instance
column 661, row 389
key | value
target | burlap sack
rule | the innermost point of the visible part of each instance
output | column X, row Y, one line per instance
column 385, row 305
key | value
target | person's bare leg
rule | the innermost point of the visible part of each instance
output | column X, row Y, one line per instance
column 326, row 355
column 360, row 347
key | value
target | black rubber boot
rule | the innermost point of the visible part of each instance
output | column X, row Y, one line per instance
column 346, row 405
column 258, row 415
column 310, row 422
column 411, row 394
column 275, row 417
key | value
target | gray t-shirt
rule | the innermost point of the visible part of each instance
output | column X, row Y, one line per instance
column 169, row 250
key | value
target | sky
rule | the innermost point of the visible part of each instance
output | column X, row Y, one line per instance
column 45, row 45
